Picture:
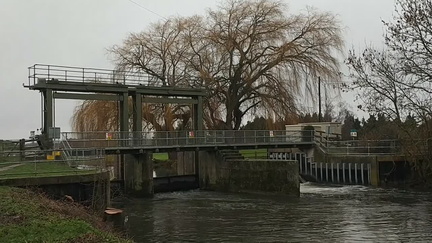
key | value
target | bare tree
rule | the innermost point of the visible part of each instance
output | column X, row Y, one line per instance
column 398, row 80
column 251, row 56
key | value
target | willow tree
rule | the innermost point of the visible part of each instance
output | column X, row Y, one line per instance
column 251, row 56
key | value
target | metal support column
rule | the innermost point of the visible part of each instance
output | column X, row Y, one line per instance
column 124, row 117
column 48, row 110
column 137, row 117
column 197, row 118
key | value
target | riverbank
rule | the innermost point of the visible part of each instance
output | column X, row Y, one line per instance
column 27, row 216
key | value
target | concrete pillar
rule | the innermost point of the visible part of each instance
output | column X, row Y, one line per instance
column 374, row 173
column 139, row 174
column 362, row 173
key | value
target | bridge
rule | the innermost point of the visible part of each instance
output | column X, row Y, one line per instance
column 134, row 147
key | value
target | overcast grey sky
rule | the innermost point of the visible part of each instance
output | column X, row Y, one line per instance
column 77, row 33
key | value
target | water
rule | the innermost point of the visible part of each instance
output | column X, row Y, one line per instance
column 321, row 214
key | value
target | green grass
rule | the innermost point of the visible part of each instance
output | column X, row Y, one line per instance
column 160, row 156
column 42, row 169
column 254, row 153
column 26, row 216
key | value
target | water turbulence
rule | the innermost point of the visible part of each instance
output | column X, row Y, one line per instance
column 322, row 213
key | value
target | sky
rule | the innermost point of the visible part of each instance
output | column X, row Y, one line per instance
column 78, row 33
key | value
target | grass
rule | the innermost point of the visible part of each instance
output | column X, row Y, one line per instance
column 254, row 153
column 27, row 216
column 248, row 153
column 160, row 156
column 42, row 169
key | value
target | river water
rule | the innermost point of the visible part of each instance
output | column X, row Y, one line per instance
column 321, row 214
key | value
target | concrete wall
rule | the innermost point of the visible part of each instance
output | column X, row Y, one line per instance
column 185, row 163
column 268, row 176
column 138, row 169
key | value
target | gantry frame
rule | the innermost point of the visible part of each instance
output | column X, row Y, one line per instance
column 64, row 82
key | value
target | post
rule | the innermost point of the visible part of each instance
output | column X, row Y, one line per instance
column 321, row 171
column 332, row 172
column 349, row 173
column 327, row 178
column 337, row 172
column 355, row 175
column 319, row 99
column 343, row 173
column 124, row 118
column 137, row 117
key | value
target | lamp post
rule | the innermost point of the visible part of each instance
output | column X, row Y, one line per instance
column 319, row 99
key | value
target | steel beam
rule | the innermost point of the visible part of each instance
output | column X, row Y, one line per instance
column 74, row 96
column 167, row 100
column 169, row 91
column 79, row 87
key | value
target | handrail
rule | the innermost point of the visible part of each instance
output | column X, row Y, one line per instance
column 187, row 138
column 89, row 75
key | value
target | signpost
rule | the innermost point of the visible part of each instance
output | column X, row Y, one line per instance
column 353, row 133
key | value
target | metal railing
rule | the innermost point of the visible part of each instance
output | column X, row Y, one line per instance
column 81, row 161
column 186, row 138
column 89, row 75
column 357, row 147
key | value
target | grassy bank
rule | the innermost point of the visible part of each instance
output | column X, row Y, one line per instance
column 26, row 216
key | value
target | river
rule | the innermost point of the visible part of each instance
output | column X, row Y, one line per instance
column 321, row 214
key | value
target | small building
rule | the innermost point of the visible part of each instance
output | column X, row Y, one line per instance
column 331, row 130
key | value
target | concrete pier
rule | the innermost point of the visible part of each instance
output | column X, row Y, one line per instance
column 138, row 178
column 262, row 176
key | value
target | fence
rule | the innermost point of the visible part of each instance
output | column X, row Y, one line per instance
column 52, row 163
column 357, row 147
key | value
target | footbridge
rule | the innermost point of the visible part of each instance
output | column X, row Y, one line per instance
column 139, row 142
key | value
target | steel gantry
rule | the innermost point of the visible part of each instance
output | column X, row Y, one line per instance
column 64, row 82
